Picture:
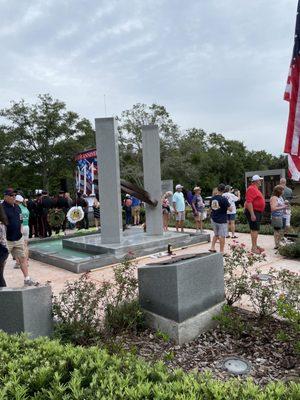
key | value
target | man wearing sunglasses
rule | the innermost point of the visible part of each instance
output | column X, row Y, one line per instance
column 14, row 237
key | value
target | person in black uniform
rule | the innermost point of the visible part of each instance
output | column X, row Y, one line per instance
column 44, row 204
column 62, row 204
column 33, row 227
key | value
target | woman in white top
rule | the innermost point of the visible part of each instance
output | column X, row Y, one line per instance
column 278, row 207
column 231, row 215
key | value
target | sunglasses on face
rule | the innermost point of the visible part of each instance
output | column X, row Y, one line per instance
column 12, row 195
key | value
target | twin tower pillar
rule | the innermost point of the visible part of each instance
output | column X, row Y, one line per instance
column 109, row 179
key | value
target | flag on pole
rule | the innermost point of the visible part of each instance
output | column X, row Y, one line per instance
column 292, row 95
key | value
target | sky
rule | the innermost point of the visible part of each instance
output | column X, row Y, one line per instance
column 219, row 65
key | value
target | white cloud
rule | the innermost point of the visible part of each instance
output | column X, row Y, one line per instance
column 219, row 64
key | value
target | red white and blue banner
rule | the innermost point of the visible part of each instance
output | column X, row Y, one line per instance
column 86, row 172
column 292, row 95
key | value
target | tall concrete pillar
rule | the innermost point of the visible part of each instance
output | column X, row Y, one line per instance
column 152, row 177
column 109, row 180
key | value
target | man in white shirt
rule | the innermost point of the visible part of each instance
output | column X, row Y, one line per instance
column 179, row 207
column 231, row 215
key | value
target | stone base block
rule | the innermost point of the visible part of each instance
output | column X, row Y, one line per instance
column 181, row 287
column 26, row 309
column 188, row 330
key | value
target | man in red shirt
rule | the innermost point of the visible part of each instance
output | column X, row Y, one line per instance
column 254, row 208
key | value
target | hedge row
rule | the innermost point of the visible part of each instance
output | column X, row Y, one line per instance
column 43, row 369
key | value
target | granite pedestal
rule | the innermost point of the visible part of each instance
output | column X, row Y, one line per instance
column 180, row 296
column 26, row 309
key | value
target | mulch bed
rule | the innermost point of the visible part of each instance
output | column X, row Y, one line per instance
column 270, row 358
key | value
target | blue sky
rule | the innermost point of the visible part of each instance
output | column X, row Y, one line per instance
column 220, row 65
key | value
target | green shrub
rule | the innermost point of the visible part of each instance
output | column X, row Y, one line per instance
column 237, row 275
column 239, row 228
column 230, row 322
column 42, row 370
column 295, row 217
column 288, row 303
column 290, row 250
column 78, row 311
column 263, row 293
column 241, row 217
column 86, row 313
column 124, row 316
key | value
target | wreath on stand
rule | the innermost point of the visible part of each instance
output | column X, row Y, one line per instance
column 56, row 218
column 75, row 214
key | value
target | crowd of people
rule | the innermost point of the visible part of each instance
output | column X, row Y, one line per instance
column 222, row 211
column 22, row 219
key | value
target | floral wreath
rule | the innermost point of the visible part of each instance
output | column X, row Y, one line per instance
column 75, row 214
column 55, row 218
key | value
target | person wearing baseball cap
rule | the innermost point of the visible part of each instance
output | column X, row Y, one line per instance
column 20, row 201
column 15, row 239
column 254, row 208
column 179, row 207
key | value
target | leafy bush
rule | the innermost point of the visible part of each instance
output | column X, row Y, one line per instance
column 230, row 322
column 263, row 293
column 240, row 280
column 79, row 309
column 290, row 250
column 241, row 228
column 122, row 309
column 241, row 217
column 124, row 316
column 236, row 271
column 288, row 303
column 42, row 370
column 85, row 313
column 295, row 217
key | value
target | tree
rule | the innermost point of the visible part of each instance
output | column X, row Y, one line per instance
column 130, row 137
column 42, row 138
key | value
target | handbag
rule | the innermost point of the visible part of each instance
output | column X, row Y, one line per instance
column 277, row 222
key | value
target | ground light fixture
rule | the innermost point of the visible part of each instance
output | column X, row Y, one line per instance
column 236, row 365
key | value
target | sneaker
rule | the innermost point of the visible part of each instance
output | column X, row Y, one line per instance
column 29, row 282
column 16, row 266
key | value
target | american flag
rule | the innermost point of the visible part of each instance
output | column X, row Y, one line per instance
column 292, row 95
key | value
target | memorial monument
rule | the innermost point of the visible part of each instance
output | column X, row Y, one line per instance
column 84, row 253
column 181, row 295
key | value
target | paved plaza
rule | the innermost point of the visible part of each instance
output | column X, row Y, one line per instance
column 58, row 277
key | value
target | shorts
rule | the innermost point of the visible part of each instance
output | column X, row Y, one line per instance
column 26, row 232
column 198, row 216
column 254, row 225
column 135, row 211
column 220, row 229
column 16, row 248
column 231, row 217
column 180, row 216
